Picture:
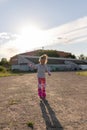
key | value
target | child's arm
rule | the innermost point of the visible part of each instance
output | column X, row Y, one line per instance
column 48, row 71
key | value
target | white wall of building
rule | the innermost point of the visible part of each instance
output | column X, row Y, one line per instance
column 83, row 67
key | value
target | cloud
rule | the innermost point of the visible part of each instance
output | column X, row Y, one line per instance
column 73, row 32
column 6, row 37
column 70, row 33
column 7, row 52
column 7, row 44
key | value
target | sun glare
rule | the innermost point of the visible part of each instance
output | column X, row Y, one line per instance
column 31, row 36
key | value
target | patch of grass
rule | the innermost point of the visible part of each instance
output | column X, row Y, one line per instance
column 83, row 73
column 30, row 124
column 5, row 74
column 13, row 101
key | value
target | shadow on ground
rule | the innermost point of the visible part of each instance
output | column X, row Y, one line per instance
column 51, row 121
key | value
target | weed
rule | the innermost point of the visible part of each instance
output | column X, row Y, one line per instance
column 13, row 102
column 30, row 124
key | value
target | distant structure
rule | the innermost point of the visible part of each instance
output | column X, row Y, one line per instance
column 21, row 62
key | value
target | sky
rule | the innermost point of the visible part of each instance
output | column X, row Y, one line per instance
column 27, row 25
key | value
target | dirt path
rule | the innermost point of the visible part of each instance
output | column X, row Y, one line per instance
column 64, row 109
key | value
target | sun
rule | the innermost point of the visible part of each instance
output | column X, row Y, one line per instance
column 31, row 36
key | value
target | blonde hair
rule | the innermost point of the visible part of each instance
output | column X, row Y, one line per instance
column 44, row 56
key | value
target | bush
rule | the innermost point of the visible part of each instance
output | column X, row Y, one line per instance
column 2, row 69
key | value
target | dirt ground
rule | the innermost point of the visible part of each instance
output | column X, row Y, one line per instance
column 65, row 107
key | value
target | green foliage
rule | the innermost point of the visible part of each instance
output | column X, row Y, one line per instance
column 71, row 56
column 2, row 69
column 4, row 61
column 53, row 53
column 30, row 124
column 82, row 57
column 5, row 65
column 50, row 53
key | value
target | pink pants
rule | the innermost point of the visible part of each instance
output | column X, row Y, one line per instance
column 41, row 87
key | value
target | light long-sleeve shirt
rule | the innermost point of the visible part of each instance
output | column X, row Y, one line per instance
column 41, row 69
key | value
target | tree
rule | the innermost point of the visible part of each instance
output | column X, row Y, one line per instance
column 4, row 62
column 50, row 53
column 82, row 57
column 71, row 56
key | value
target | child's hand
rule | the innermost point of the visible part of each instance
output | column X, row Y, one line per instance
column 49, row 74
column 30, row 65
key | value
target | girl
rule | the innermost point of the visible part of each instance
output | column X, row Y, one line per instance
column 41, row 69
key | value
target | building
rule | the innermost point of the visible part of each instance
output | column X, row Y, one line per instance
column 22, row 62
